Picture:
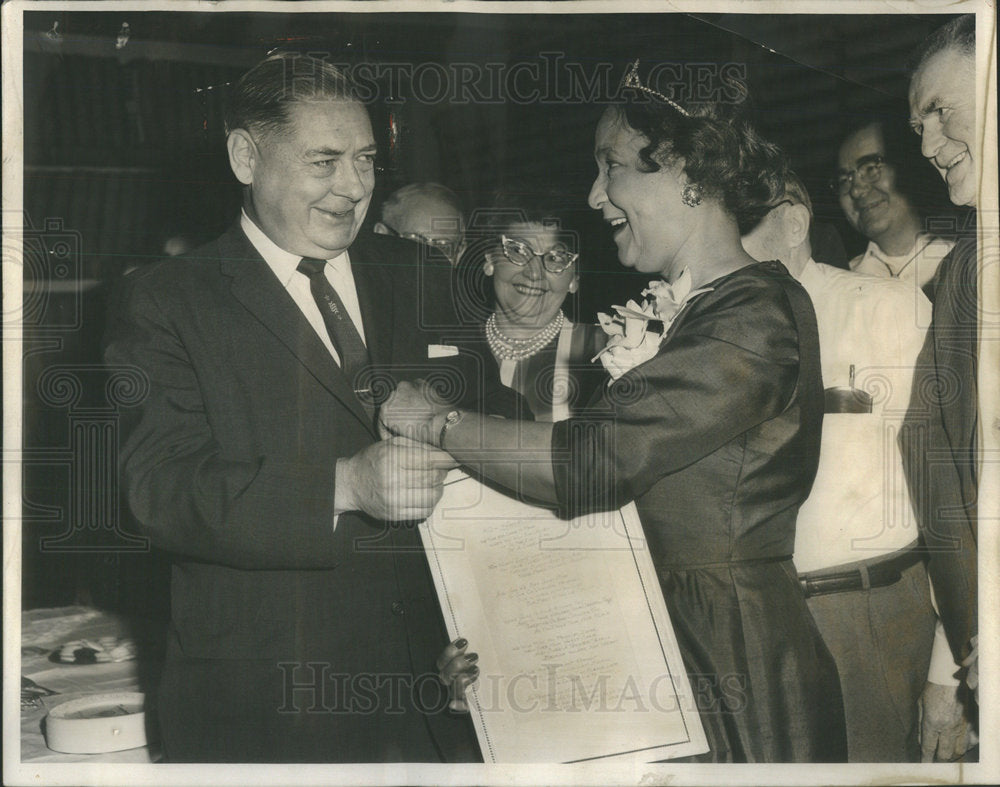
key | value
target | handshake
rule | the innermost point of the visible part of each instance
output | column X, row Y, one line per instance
column 399, row 478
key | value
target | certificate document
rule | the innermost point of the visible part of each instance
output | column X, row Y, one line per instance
column 578, row 659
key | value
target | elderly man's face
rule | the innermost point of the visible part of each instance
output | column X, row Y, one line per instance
column 943, row 112
column 873, row 209
column 430, row 221
column 311, row 183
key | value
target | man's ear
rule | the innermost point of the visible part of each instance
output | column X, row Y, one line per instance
column 243, row 155
column 381, row 229
column 797, row 220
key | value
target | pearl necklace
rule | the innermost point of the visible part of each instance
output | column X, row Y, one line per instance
column 507, row 349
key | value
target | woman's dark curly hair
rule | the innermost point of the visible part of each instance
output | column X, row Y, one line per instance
column 718, row 147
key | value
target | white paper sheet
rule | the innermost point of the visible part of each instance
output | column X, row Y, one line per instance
column 577, row 655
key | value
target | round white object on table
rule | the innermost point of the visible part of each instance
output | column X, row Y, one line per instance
column 97, row 724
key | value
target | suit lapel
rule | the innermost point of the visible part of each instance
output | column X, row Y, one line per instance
column 257, row 289
column 375, row 296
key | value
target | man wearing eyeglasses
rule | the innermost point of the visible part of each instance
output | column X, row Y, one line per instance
column 885, row 190
column 427, row 213
column 304, row 624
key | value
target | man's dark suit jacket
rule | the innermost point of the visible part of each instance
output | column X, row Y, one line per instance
column 938, row 442
column 290, row 641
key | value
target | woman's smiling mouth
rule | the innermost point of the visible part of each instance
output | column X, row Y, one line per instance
column 527, row 289
column 617, row 224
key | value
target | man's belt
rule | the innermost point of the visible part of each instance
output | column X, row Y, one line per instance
column 880, row 572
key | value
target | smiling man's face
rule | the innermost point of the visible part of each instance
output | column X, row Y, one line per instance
column 943, row 112
column 877, row 209
column 311, row 182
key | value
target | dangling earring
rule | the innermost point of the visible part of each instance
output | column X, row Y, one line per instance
column 691, row 195
column 488, row 268
column 573, row 285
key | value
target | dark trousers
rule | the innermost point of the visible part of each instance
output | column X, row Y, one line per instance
column 247, row 711
column 881, row 639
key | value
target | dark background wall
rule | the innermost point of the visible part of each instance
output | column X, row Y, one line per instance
column 123, row 149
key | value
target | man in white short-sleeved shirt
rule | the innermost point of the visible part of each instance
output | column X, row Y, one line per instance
column 856, row 535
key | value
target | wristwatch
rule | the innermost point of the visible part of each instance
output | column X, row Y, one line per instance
column 449, row 421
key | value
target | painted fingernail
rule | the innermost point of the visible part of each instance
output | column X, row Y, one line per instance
column 472, row 658
column 461, row 643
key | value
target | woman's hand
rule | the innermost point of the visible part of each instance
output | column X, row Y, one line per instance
column 457, row 670
column 413, row 411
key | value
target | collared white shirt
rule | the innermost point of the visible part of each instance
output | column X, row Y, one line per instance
column 918, row 264
column 859, row 507
column 284, row 266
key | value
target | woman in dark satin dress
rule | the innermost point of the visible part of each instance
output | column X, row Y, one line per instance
column 713, row 430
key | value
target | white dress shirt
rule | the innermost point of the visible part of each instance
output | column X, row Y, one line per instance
column 919, row 264
column 284, row 265
column 859, row 507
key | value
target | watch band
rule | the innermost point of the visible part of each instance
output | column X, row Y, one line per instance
column 450, row 420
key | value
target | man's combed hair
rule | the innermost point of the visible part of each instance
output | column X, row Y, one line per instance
column 260, row 101
column 959, row 33
column 721, row 150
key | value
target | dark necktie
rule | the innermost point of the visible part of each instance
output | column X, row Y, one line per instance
column 339, row 325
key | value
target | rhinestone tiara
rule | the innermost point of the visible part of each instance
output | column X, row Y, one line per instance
column 631, row 80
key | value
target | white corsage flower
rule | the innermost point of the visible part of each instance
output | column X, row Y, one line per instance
column 632, row 340
column 671, row 298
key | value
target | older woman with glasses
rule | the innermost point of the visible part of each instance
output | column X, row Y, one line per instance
column 540, row 352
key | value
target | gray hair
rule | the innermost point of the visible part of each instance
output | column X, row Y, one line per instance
column 393, row 205
column 959, row 33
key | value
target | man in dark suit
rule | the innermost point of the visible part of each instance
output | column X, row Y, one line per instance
column 304, row 625
column 940, row 436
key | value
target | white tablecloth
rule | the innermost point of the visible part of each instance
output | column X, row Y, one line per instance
column 46, row 630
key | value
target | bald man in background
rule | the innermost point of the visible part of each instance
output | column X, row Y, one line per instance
column 427, row 213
